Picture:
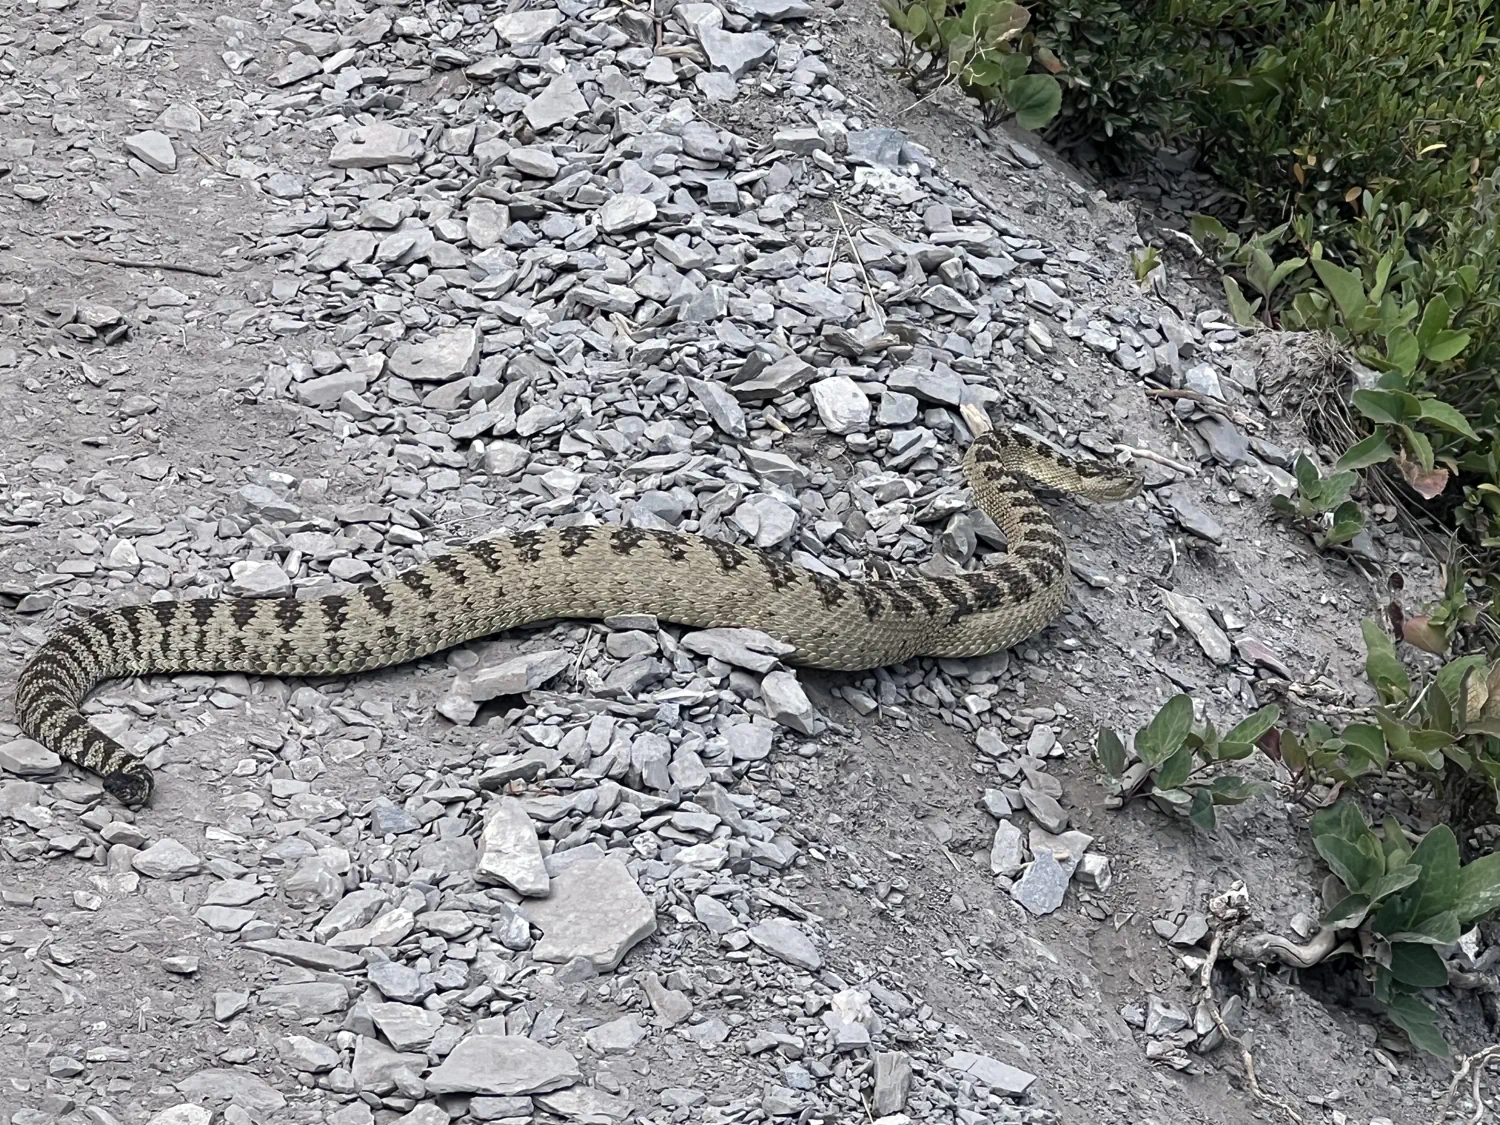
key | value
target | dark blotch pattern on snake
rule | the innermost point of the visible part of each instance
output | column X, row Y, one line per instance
column 492, row 585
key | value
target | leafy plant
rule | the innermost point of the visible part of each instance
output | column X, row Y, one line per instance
column 1407, row 902
column 1321, row 505
column 1321, row 755
column 1145, row 262
column 1252, row 258
column 1177, row 759
column 972, row 44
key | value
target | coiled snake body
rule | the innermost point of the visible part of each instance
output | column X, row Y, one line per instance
column 491, row 585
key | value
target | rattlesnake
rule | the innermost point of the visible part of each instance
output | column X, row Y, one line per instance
column 491, row 585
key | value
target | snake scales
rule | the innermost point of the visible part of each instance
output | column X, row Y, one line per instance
column 491, row 585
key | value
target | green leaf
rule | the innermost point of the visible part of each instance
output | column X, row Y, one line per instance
column 1201, row 811
column 1439, row 929
column 1435, row 318
column 1110, row 752
column 1437, row 856
column 1159, row 739
column 1416, row 442
column 1231, row 790
column 1175, row 770
column 1419, row 1022
column 1354, row 867
column 1395, row 879
column 1242, row 309
column 1445, row 417
column 1447, row 345
column 1478, row 889
column 1390, row 407
column 1348, row 912
column 1367, row 740
column 1383, row 667
column 1401, row 350
column 1348, row 521
column 1373, row 450
column 1250, row 729
column 1418, row 965
column 1035, row 98
column 1344, row 286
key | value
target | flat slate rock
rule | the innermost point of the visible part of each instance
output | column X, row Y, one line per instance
column 503, row 1065
column 596, row 911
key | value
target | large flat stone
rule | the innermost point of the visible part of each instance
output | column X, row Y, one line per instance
column 596, row 911
column 503, row 1065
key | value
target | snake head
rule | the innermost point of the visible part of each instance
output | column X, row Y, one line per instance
column 130, row 786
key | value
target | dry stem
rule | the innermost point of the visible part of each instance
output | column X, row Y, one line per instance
column 1206, row 979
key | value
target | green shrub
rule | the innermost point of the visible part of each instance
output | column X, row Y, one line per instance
column 973, row 45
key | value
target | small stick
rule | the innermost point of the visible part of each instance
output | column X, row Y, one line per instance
column 860, row 262
column 1150, row 455
column 1206, row 979
column 143, row 264
column 1483, row 1058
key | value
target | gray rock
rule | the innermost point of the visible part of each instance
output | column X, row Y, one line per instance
column 257, row 579
column 1007, row 853
column 559, row 101
column 453, row 354
column 843, row 407
column 153, row 149
column 503, row 1066
column 723, row 409
column 406, row 1026
column 786, row 942
column 787, row 703
column 595, row 911
column 307, row 998
column 736, row 52
column 1195, row 618
column 400, row 982
column 744, row 648
column 307, row 953
column 531, row 26
column 617, row 1037
column 376, row 146
column 623, row 213
column 26, row 758
column 301, row 1053
column 672, row 1006
column 893, row 1079
column 1001, row 1078
column 1044, row 885
column 509, row 854
column 238, row 1087
column 166, row 859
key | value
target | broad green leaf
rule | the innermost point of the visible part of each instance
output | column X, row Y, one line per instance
column 1435, row 318
column 1110, row 752
column 1383, row 667
column 1354, row 867
column 1417, row 444
column 1242, row 309
column 1368, row 740
column 1395, row 879
column 1344, row 286
column 1437, row 856
column 1176, row 769
column 1450, row 679
column 1401, row 350
column 1419, row 1022
column 1232, row 790
column 1445, row 417
column 1251, row 728
column 1439, row 929
column 1373, row 450
column 1478, row 889
column 1447, row 345
column 1235, row 751
column 1381, row 406
column 1417, row 965
column 1201, row 811
column 1348, row 912
column 1159, row 739
column 1397, row 850
column 1035, row 98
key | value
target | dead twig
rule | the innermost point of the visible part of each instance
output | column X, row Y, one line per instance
column 860, row 262
column 1206, row 980
column 143, row 264
column 1474, row 1065
column 1152, row 455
